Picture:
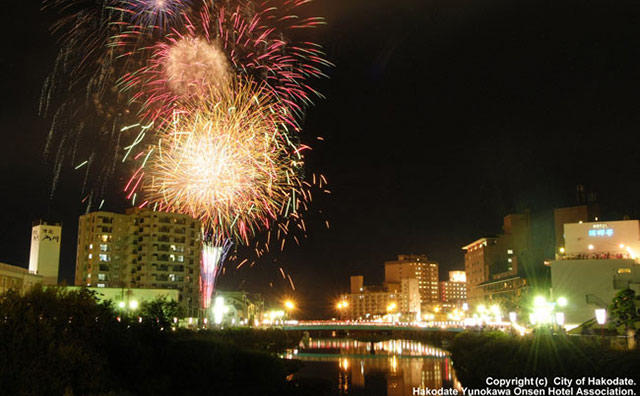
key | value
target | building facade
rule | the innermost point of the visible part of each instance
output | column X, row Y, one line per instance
column 419, row 267
column 17, row 278
column 44, row 256
column 478, row 258
column 498, row 268
column 453, row 293
column 372, row 302
column 141, row 249
column 572, row 215
column 599, row 259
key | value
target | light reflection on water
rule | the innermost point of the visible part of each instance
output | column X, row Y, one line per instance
column 394, row 368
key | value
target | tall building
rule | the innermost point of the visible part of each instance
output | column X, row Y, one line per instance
column 357, row 284
column 453, row 293
column 44, row 257
column 409, row 266
column 141, row 249
column 500, row 268
column 370, row 302
column 478, row 258
column 599, row 259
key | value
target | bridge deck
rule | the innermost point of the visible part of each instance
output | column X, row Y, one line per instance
column 365, row 327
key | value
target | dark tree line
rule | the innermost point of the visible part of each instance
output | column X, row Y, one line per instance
column 58, row 342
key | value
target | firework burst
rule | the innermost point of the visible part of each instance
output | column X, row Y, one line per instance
column 238, row 37
column 226, row 160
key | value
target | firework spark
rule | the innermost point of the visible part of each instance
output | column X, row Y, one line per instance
column 239, row 37
column 228, row 161
column 157, row 15
column 213, row 256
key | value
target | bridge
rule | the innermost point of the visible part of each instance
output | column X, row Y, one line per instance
column 366, row 326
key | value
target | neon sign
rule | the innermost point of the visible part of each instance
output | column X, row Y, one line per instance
column 601, row 232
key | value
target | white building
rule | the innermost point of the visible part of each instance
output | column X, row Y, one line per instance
column 598, row 259
column 44, row 257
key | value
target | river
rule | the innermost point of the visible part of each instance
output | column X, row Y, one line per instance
column 394, row 368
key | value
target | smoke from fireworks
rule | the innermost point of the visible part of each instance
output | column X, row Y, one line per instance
column 193, row 65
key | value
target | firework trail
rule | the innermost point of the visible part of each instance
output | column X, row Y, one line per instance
column 213, row 257
column 80, row 96
column 216, row 91
column 228, row 160
column 229, row 38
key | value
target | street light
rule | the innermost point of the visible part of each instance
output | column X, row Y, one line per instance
column 562, row 302
column 601, row 317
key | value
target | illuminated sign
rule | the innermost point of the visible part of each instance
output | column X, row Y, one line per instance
column 600, row 232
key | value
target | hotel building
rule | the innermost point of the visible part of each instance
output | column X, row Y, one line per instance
column 141, row 249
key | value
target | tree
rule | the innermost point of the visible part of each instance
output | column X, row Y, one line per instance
column 160, row 312
column 623, row 313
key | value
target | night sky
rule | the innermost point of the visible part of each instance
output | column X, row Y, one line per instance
column 440, row 117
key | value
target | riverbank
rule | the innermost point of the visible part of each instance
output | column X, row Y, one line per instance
column 66, row 343
column 479, row 355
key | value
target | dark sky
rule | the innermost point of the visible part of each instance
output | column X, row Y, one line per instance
column 440, row 117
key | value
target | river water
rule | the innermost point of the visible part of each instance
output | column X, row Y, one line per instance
column 394, row 368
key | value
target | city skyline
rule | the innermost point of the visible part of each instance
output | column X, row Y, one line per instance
column 433, row 128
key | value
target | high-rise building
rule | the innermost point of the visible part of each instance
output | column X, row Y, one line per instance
column 499, row 268
column 478, row 258
column 373, row 302
column 410, row 266
column 453, row 293
column 141, row 249
column 357, row 283
column 44, row 257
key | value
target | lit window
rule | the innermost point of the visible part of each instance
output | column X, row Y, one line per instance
column 104, row 257
column 100, row 284
column 624, row 270
column 102, row 277
column 104, row 248
column 509, row 251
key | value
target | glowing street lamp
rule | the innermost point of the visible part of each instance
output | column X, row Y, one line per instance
column 562, row 302
column 289, row 305
column 133, row 304
column 601, row 317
